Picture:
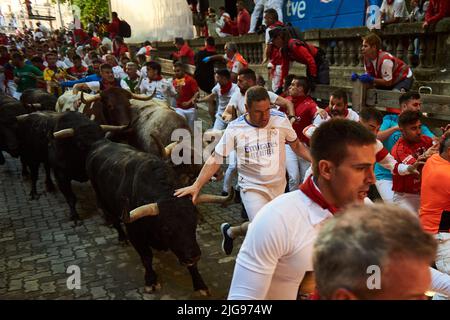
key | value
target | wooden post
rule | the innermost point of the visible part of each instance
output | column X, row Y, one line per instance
column 359, row 95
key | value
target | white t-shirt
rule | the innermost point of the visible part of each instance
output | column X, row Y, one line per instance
column 261, row 157
column 223, row 100
column 164, row 88
column 94, row 86
column 118, row 72
column 309, row 130
column 237, row 101
column 395, row 10
column 278, row 249
column 387, row 69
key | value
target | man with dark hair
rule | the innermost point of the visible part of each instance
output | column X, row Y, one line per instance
column 271, row 53
column 258, row 138
column 113, row 27
column 410, row 148
column 107, row 81
column 53, row 75
column 277, row 251
column 154, row 81
column 96, row 63
column 204, row 72
column 337, row 108
column 25, row 75
column 435, row 202
column 221, row 94
column 187, row 94
column 398, row 247
column 77, row 71
column 383, row 69
column 184, row 54
column 317, row 67
column 243, row 18
column 389, row 134
column 234, row 60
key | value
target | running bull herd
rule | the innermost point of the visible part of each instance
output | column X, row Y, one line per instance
column 116, row 140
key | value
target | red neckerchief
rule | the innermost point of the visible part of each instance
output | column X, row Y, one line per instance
column 157, row 78
column 226, row 88
column 311, row 191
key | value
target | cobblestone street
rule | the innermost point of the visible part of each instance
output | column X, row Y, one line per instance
column 38, row 243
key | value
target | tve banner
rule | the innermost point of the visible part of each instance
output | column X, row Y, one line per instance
column 327, row 14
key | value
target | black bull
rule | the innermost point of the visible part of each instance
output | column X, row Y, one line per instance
column 124, row 179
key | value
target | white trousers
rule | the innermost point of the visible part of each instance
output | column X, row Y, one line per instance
column 443, row 257
column 189, row 114
column 258, row 10
column 253, row 201
column 384, row 188
column 296, row 168
column 408, row 201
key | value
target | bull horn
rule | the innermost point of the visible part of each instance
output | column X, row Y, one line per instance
column 108, row 128
column 146, row 210
column 22, row 117
column 143, row 97
column 168, row 149
column 35, row 105
column 64, row 133
column 90, row 99
column 212, row 198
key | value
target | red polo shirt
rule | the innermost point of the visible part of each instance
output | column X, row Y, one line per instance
column 188, row 88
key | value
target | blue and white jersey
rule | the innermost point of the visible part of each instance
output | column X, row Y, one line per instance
column 261, row 157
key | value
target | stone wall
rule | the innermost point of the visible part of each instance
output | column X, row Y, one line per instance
column 428, row 52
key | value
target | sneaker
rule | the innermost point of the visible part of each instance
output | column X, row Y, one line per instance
column 244, row 215
column 227, row 241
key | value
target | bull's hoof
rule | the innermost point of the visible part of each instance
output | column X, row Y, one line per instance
column 124, row 242
column 25, row 175
column 153, row 288
column 2, row 159
column 76, row 220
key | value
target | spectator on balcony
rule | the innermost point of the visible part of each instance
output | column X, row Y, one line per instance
column 393, row 11
column 277, row 5
column 317, row 68
column 418, row 10
column 271, row 53
column 437, row 10
column 383, row 70
column 184, row 54
column 234, row 60
column 211, row 22
column 113, row 27
column 243, row 18
column 229, row 28
column 260, row 6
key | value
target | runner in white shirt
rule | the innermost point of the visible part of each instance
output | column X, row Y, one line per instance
column 154, row 81
column 258, row 138
column 221, row 93
column 338, row 107
column 277, row 251
column 246, row 80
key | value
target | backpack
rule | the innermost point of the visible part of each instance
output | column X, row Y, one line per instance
column 294, row 32
column 124, row 29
